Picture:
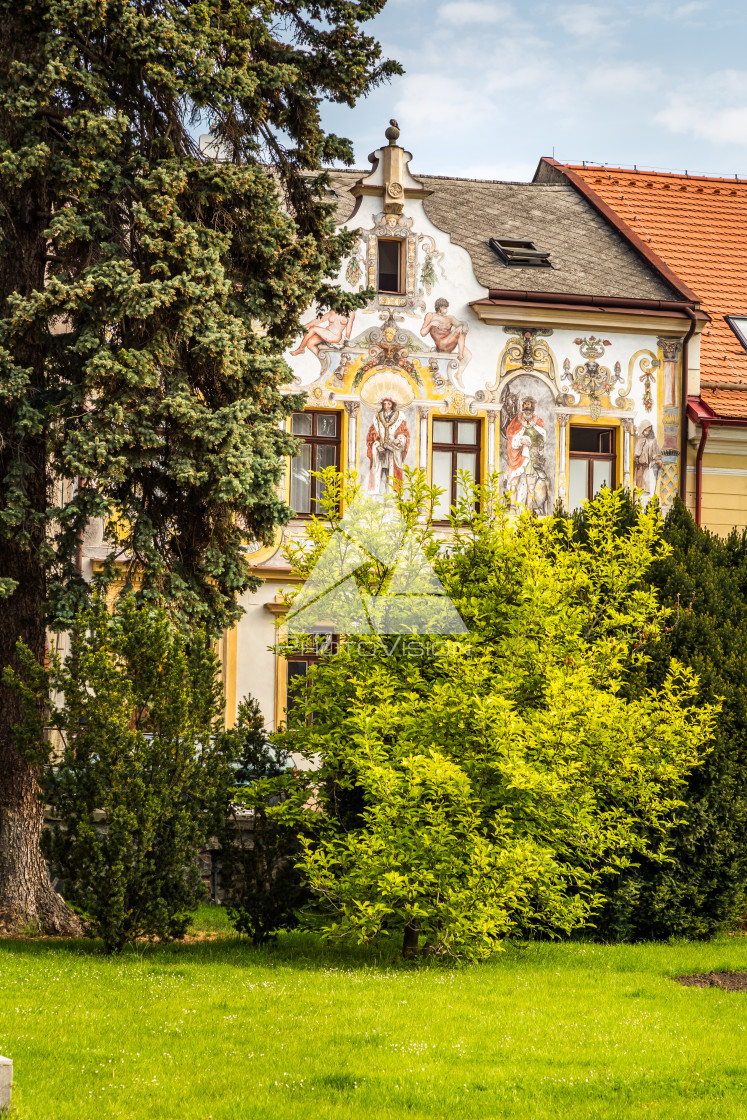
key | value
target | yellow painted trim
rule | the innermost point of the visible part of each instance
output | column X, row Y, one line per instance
column 281, row 678
column 230, row 666
column 579, row 421
column 429, row 446
column 287, row 487
column 264, row 553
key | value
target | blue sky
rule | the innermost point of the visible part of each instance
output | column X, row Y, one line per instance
column 490, row 86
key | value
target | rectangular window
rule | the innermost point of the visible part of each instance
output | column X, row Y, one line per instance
column 456, row 447
column 320, row 432
column 390, row 266
column 591, row 463
column 311, row 649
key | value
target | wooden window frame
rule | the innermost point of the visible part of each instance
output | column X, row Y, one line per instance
column 595, row 456
column 307, row 657
column 455, row 448
column 315, row 441
column 400, row 290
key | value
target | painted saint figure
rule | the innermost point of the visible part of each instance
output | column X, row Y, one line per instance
column 646, row 460
column 525, row 446
column 328, row 328
column 386, row 445
column 448, row 334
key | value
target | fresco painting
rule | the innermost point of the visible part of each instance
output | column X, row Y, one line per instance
column 527, row 448
column 387, row 442
column 326, row 330
column 647, row 458
column 423, row 351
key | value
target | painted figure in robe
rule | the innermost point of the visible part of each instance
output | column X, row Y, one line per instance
column 386, row 445
column 525, row 446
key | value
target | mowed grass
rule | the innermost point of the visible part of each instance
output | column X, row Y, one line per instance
column 218, row 1030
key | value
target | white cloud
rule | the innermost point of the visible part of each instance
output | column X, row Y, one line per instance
column 427, row 102
column 630, row 78
column 464, row 12
column 586, row 21
column 490, row 87
column 686, row 10
column 714, row 109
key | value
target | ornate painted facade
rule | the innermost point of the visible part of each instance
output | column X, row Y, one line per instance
column 467, row 357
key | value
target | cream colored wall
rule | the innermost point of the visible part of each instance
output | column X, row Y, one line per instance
column 255, row 671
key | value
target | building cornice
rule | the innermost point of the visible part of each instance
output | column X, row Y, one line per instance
column 604, row 316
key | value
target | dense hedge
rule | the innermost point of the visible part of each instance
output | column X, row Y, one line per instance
column 704, row 887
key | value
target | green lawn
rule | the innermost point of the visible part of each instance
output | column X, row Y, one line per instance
column 217, row 1030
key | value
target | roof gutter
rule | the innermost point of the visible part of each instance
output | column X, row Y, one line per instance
column 509, row 295
column 683, row 424
column 699, row 471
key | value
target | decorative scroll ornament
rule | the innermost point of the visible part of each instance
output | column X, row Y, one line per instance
column 458, row 403
column 432, row 259
column 647, row 365
column 528, row 351
column 355, row 267
column 591, row 379
column 389, row 345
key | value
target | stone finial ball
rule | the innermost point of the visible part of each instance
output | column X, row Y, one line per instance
column 392, row 133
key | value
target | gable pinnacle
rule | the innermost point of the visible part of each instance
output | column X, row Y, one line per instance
column 392, row 133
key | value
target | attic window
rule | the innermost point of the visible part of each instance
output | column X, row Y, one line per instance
column 390, row 266
column 738, row 324
column 520, row 253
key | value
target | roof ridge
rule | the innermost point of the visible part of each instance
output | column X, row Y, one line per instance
column 452, row 178
column 635, row 170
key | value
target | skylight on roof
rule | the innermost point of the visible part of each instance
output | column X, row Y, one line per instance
column 738, row 324
column 520, row 253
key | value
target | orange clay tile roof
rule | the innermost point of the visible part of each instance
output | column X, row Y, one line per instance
column 698, row 225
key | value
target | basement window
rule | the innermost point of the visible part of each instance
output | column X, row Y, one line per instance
column 523, row 253
column 738, row 324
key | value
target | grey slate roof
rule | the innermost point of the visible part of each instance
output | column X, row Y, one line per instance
column 588, row 255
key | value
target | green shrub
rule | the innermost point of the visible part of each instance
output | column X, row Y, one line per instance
column 143, row 769
column 487, row 786
column 703, row 886
column 260, row 846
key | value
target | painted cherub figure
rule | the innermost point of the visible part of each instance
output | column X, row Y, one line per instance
column 448, row 334
column 329, row 328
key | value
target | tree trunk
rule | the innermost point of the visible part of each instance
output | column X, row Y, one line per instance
column 26, row 893
column 411, row 939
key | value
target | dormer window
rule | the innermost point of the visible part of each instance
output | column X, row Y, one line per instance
column 389, row 277
column 520, row 253
column 738, row 324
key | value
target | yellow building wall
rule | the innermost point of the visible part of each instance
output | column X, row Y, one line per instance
column 724, row 489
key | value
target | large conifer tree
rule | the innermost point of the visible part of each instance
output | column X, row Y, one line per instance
column 147, row 291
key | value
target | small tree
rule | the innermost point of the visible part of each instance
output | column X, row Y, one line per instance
column 260, row 845
column 148, row 293
column 143, row 770
column 476, row 788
